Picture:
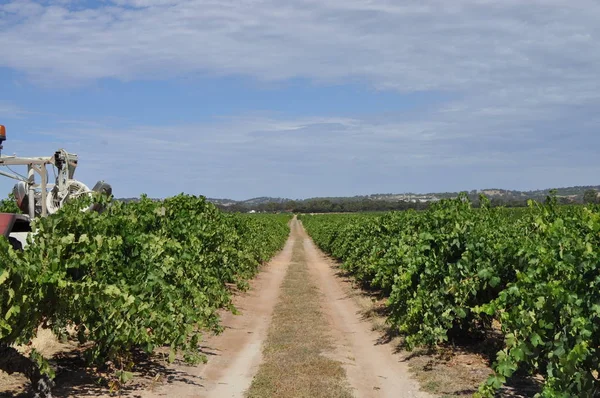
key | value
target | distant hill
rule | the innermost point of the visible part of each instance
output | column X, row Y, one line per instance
column 574, row 194
column 248, row 202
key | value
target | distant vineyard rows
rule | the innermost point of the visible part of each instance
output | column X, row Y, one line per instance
column 455, row 270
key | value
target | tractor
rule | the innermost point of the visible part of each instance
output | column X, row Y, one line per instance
column 40, row 199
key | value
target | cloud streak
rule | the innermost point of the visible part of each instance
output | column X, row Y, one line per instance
column 256, row 155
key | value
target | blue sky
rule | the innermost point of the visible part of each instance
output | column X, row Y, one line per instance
column 301, row 98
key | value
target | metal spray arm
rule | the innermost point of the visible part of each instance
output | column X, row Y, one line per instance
column 65, row 162
column 34, row 165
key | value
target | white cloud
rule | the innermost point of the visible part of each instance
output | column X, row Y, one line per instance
column 459, row 45
column 524, row 75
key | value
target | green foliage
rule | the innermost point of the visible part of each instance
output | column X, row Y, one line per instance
column 9, row 205
column 138, row 275
column 452, row 270
column 590, row 196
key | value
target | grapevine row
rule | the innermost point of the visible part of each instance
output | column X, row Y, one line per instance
column 457, row 270
column 134, row 277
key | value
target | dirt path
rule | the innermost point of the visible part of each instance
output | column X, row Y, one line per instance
column 372, row 368
column 296, row 360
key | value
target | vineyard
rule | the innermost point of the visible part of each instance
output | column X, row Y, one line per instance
column 454, row 270
column 137, row 276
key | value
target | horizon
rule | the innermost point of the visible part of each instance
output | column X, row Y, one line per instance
column 305, row 99
column 377, row 193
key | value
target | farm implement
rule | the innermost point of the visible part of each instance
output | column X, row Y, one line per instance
column 41, row 198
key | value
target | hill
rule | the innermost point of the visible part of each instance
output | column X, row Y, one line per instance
column 398, row 201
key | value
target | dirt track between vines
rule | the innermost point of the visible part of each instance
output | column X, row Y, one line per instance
column 235, row 356
column 372, row 370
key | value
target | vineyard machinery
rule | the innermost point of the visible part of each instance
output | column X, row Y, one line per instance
column 40, row 199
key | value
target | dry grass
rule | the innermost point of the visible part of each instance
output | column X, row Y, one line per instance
column 294, row 363
column 46, row 344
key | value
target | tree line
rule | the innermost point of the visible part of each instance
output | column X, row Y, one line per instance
column 352, row 205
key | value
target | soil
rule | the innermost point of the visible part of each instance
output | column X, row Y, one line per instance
column 296, row 360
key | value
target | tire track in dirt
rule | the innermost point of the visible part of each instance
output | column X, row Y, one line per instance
column 296, row 360
column 372, row 368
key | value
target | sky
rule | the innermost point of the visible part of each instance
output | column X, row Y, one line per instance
column 303, row 98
